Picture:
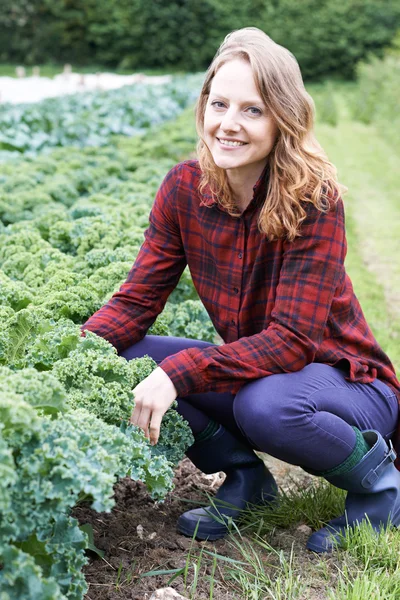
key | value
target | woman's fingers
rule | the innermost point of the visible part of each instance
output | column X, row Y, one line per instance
column 149, row 420
column 153, row 396
column 155, row 425
column 144, row 420
column 141, row 416
column 135, row 414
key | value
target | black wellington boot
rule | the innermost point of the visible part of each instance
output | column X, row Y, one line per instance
column 373, row 492
column 248, row 481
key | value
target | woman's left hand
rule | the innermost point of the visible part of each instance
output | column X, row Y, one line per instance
column 153, row 397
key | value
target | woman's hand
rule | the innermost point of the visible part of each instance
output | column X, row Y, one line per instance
column 153, row 397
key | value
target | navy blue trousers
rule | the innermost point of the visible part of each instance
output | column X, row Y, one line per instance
column 303, row 418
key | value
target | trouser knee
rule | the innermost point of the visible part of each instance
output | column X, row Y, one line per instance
column 265, row 415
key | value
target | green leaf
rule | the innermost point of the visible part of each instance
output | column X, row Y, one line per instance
column 88, row 529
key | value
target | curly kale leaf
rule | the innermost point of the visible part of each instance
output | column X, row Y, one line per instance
column 46, row 215
column 102, row 257
column 22, row 577
column 80, row 236
column 140, row 368
column 189, row 319
column 107, row 279
column 21, row 206
column 25, row 251
column 19, row 330
column 97, row 379
column 13, row 294
column 77, row 303
column 8, row 475
column 53, row 342
column 185, row 289
column 19, row 421
column 160, row 327
column 74, row 458
column 175, row 437
column 41, row 390
column 6, row 312
column 175, row 434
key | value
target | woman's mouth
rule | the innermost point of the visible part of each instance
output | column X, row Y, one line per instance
column 231, row 143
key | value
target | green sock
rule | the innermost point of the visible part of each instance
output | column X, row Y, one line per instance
column 359, row 451
column 208, row 432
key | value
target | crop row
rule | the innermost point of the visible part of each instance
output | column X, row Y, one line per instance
column 71, row 225
column 93, row 118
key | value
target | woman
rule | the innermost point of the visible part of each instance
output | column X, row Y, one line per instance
column 259, row 220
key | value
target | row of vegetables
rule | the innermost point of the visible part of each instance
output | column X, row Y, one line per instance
column 71, row 224
column 92, row 118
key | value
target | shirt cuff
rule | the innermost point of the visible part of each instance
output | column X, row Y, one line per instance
column 183, row 372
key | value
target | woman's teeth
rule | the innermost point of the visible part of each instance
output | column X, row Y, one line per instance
column 229, row 143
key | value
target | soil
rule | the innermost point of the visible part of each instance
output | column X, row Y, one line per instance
column 140, row 535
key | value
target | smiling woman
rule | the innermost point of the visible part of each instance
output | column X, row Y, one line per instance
column 259, row 220
column 268, row 79
column 239, row 130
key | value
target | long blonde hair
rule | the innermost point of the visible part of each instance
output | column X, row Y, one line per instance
column 299, row 170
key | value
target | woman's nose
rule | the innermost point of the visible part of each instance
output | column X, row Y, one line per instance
column 230, row 121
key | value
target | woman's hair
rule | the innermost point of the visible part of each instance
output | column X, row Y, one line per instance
column 299, row 170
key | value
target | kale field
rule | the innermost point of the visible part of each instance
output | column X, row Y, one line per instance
column 71, row 225
column 80, row 515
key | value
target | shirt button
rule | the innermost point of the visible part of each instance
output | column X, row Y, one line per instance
column 233, row 322
column 240, row 255
column 236, row 290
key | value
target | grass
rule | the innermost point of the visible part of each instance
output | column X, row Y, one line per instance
column 368, row 166
column 375, row 565
column 313, row 505
column 267, row 573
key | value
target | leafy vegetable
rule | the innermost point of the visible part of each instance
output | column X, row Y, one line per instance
column 71, row 225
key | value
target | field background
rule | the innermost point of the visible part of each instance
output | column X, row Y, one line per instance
column 354, row 79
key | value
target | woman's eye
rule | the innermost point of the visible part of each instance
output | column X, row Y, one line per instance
column 217, row 104
column 254, row 110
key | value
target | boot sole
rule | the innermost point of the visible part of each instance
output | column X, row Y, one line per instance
column 219, row 531
column 211, row 536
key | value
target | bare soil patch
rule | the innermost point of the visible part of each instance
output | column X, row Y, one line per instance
column 140, row 535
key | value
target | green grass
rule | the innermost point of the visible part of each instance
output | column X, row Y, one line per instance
column 369, row 167
column 371, row 565
column 313, row 505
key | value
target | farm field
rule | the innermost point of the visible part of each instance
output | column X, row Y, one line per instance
column 71, row 224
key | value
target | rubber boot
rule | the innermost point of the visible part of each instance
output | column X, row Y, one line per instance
column 248, row 481
column 373, row 487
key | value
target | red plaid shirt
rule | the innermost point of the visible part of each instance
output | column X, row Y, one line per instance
column 278, row 306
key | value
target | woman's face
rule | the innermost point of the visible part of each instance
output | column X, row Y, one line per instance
column 238, row 128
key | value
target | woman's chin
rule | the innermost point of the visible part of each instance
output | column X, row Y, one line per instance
column 224, row 163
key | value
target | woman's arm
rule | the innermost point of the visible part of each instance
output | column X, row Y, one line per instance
column 130, row 312
column 311, row 271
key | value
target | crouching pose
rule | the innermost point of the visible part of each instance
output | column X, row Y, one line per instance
column 259, row 220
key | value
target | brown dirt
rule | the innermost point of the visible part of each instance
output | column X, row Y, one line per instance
column 140, row 535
